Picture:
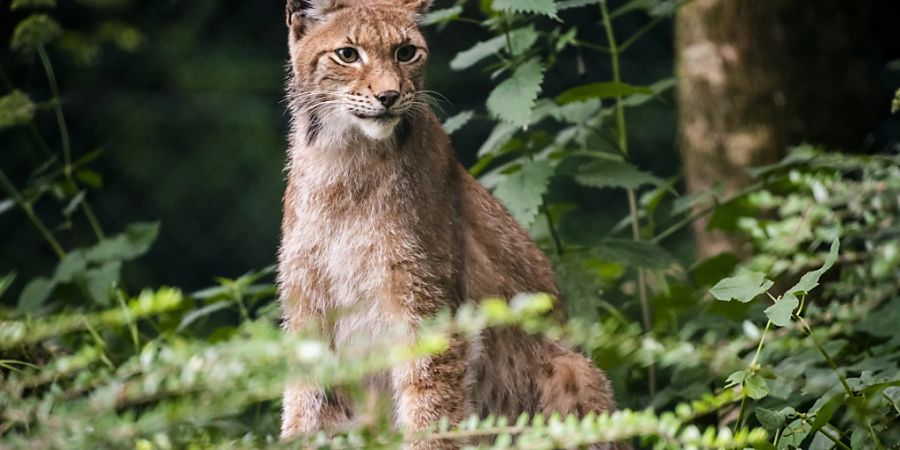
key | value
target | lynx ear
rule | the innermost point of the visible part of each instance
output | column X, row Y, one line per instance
column 300, row 14
column 419, row 6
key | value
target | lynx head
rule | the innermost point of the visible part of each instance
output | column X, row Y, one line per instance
column 358, row 66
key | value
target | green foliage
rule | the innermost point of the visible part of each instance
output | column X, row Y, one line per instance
column 545, row 7
column 15, row 109
column 91, row 362
column 513, row 100
column 27, row 4
column 33, row 32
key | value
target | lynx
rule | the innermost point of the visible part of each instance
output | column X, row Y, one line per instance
column 382, row 222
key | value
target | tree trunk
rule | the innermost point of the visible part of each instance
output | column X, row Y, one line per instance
column 756, row 76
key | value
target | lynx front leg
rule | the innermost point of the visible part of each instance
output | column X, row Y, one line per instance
column 308, row 410
column 429, row 389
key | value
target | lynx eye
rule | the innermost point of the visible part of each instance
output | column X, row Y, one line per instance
column 406, row 53
column 348, row 55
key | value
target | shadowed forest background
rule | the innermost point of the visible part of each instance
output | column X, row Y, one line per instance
column 758, row 156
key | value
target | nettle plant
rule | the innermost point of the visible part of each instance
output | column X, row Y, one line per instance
column 578, row 135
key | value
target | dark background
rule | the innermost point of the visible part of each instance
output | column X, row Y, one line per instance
column 192, row 125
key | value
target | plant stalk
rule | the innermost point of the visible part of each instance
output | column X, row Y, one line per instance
column 621, row 131
column 29, row 212
column 66, row 141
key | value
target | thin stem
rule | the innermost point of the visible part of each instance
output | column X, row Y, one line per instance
column 700, row 213
column 753, row 368
column 621, row 131
column 556, row 240
column 57, row 101
column 66, row 143
column 29, row 211
column 846, row 386
column 826, row 433
column 637, row 35
column 591, row 45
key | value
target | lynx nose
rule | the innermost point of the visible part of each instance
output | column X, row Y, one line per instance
column 388, row 98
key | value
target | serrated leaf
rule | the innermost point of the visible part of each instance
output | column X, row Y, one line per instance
column 442, row 15
column 23, row 4
column 523, row 192
column 810, row 280
column 453, row 124
column 35, row 31
column 35, row 294
column 743, row 288
column 514, row 99
column 15, row 109
column 756, row 387
column 780, row 313
column 614, row 174
column 607, row 89
column 544, row 7
column 634, row 253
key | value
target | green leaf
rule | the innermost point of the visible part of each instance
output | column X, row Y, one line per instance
column 769, row 419
column 136, row 240
column 780, row 313
column 501, row 134
column 568, row 4
column 90, row 178
column 442, row 15
column 810, row 280
column 481, row 50
column 756, row 387
column 794, row 434
column 35, row 294
column 99, row 282
column 577, row 113
column 514, row 99
column 544, row 7
column 607, row 89
column 634, row 253
column 453, row 124
column 523, row 191
column 520, row 40
column 6, row 282
column 743, row 288
column 15, row 109
column 71, row 266
column 33, row 32
column 23, row 4
column 614, row 174
column 825, row 413
column 736, row 378
column 193, row 316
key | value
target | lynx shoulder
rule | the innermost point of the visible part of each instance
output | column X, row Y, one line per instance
column 383, row 228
